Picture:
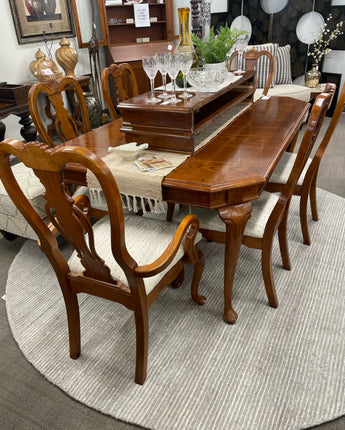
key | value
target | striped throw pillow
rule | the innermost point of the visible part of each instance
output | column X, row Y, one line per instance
column 283, row 73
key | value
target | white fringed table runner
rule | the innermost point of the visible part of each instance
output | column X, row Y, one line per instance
column 138, row 188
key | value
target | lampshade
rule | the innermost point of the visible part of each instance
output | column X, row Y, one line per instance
column 310, row 27
column 273, row 6
column 241, row 22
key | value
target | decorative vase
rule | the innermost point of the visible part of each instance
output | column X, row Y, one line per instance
column 185, row 43
column 312, row 77
column 44, row 67
column 67, row 57
column 94, row 109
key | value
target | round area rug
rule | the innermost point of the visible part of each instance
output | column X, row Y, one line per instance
column 274, row 369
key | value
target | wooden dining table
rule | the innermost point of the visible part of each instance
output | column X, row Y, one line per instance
column 226, row 174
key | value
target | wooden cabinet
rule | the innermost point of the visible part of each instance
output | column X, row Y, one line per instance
column 125, row 40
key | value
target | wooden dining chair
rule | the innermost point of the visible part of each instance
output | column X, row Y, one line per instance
column 128, row 260
column 65, row 112
column 306, row 184
column 270, row 211
column 123, row 77
column 251, row 58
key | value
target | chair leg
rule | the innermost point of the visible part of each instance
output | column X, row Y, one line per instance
column 313, row 205
column 198, row 270
column 303, row 213
column 178, row 281
column 266, row 266
column 73, row 318
column 283, row 242
column 142, row 342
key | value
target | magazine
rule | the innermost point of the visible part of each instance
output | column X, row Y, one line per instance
column 148, row 164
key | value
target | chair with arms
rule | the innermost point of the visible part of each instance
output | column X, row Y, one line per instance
column 67, row 122
column 270, row 211
column 306, row 185
column 124, row 78
column 128, row 260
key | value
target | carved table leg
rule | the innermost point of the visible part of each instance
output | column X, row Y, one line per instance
column 28, row 131
column 235, row 218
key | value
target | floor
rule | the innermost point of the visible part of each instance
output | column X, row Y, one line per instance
column 28, row 401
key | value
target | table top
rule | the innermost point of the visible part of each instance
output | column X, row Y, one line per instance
column 235, row 165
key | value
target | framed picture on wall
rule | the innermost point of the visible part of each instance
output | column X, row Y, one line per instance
column 35, row 20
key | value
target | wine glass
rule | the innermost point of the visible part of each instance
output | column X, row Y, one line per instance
column 162, row 62
column 186, row 61
column 151, row 68
column 241, row 44
column 173, row 69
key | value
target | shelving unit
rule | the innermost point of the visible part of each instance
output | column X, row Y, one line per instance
column 123, row 37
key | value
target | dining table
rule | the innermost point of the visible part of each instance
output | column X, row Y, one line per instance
column 226, row 174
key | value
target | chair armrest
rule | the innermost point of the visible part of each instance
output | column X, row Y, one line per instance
column 188, row 229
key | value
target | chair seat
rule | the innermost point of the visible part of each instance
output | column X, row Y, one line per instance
column 146, row 239
column 282, row 171
column 262, row 209
column 11, row 220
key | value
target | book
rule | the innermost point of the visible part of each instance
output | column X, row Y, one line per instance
column 148, row 164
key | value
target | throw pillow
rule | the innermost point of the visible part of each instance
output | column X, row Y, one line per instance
column 283, row 73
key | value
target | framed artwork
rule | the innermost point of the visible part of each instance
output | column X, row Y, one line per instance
column 338, row 3
column 35, row 20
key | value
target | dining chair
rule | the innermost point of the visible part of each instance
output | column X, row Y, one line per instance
column 306, row 185
column 251, row 57
column 65, row 111
column 270, row 210
column 126, row 259
column 125, row 81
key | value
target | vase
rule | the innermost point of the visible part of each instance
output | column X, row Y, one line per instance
column 185, row 43
column 94, row 109
column 44, row 67
column 312, row 77
column 67, row 57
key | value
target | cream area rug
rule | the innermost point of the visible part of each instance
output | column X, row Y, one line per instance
column 274, row 369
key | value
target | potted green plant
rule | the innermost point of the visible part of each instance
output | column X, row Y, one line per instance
column 216, row 45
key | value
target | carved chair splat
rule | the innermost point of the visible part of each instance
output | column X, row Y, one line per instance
column 68, row 123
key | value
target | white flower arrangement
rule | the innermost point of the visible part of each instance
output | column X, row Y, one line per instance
column 321, row 46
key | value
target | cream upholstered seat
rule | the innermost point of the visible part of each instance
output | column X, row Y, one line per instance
column 156, row 236
column 255, row 227
column 306, row 184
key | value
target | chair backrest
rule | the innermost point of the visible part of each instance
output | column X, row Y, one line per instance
column 65, row 111
column 316, row 117
column 252, row 56
column 124, row 79
column 69, row 217
column 329, row 132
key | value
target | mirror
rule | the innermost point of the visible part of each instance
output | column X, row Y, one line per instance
column 83, row 15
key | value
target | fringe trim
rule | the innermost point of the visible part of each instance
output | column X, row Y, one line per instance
column 130, row 202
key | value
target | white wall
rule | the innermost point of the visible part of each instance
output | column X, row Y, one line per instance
column 15, row 60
